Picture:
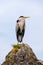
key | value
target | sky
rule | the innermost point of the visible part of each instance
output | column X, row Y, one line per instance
column 10, row 10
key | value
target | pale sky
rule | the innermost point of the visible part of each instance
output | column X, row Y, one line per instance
column 10, row 10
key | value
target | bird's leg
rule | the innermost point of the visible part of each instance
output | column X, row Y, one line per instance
column 22, row 41
column 18, row 42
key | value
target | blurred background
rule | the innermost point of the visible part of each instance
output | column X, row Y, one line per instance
column 10, row 10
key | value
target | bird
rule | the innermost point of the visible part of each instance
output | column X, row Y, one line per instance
column 20, row 28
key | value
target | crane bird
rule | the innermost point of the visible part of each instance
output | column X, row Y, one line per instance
column 20, row 27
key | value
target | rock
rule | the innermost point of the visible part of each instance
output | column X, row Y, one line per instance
column 21, row 54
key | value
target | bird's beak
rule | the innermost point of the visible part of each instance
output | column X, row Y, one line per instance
column 26, row 17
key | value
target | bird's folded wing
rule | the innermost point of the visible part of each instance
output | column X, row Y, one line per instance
column 17, row 27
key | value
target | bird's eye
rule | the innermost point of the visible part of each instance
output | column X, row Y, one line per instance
column 17, row 21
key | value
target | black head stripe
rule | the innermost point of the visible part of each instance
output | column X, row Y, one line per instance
column 20, row 16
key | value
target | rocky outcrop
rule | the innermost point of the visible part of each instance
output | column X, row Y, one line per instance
column 21, row 54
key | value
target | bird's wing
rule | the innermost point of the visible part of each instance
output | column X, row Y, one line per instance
column 17, row 27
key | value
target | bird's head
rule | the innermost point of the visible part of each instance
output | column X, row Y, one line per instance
column 22, row 18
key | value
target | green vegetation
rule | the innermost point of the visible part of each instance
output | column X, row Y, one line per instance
column 16, row 47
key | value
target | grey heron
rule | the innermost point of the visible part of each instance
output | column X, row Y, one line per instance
column 20, row 27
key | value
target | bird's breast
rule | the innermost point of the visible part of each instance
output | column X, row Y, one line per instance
column 21, row 24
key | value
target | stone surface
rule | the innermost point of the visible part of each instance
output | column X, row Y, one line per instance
column 22, row 55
